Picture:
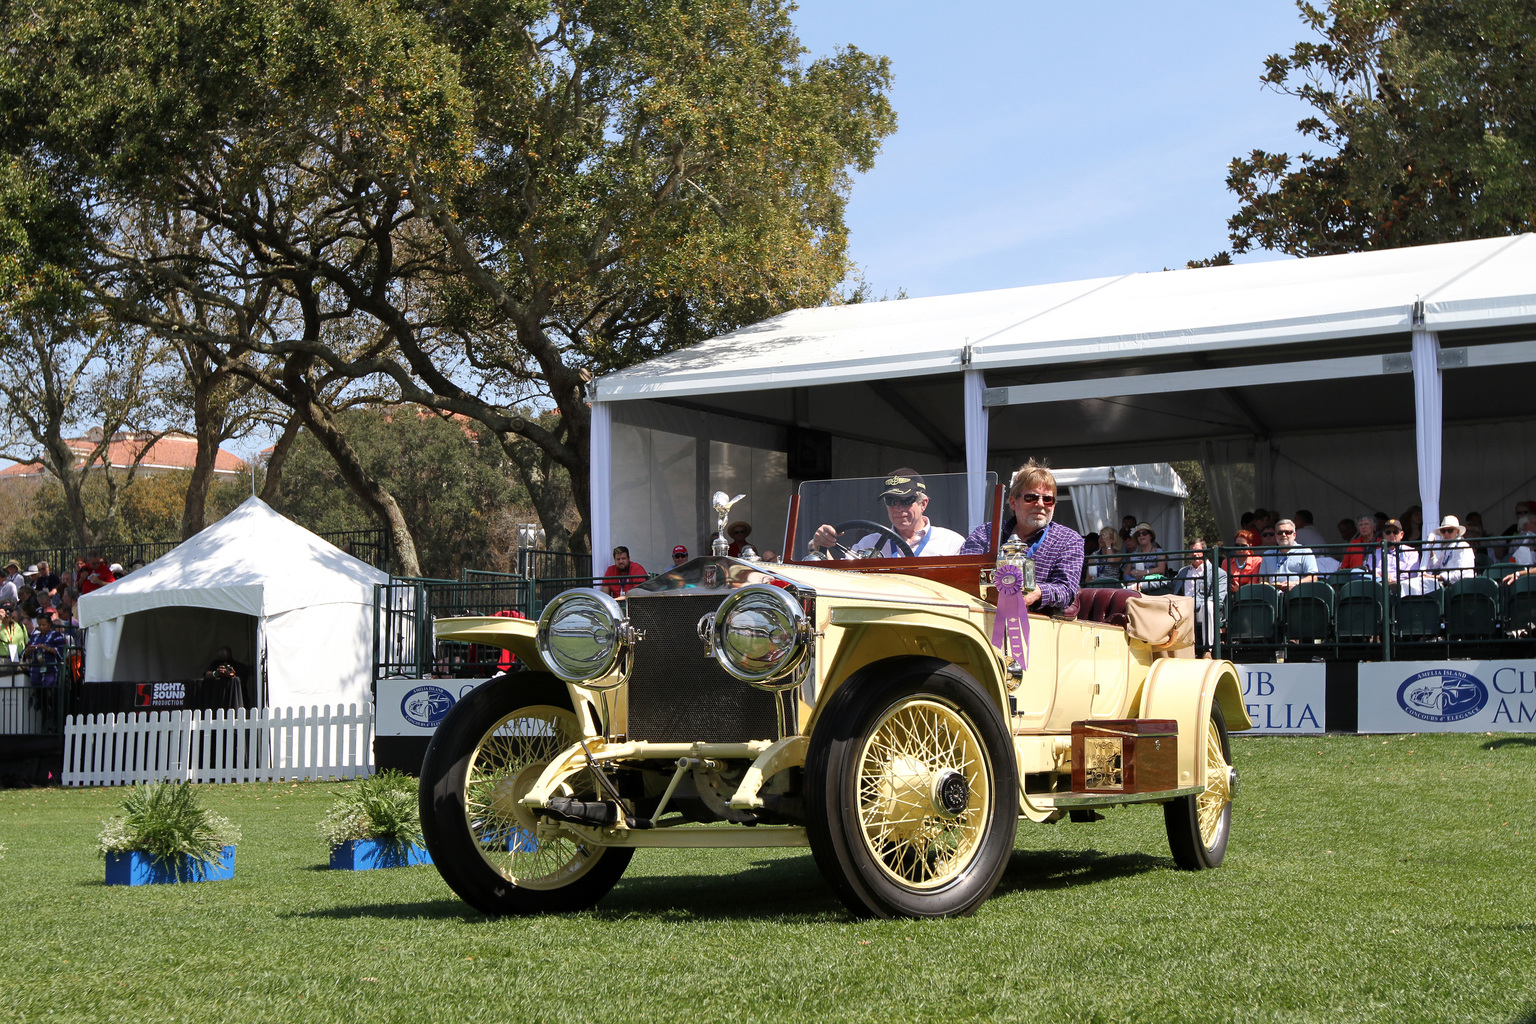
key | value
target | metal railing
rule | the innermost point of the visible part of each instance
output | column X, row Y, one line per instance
column 1353, row 615
column 533, row 563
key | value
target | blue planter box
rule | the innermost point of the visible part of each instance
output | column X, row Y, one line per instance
column 138, row 868
column 367, row 854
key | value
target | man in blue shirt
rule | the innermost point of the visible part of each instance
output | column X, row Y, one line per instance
column 1286, row 564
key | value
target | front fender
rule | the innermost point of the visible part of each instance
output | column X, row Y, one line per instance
column 516, row 635
column 1184, row 689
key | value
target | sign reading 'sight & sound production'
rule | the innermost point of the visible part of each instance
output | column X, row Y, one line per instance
column 1448, row 696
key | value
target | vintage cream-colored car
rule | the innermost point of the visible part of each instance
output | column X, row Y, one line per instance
column 857, row 707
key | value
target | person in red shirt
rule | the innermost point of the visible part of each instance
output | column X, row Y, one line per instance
column 96, row 575
column 1362, row 545
column 623, row 575
column 1244, row 566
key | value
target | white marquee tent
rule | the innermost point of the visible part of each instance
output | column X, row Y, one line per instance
column 1341, row 384
column 275, row 593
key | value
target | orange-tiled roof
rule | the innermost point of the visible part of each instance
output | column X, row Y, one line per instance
column 173, row 451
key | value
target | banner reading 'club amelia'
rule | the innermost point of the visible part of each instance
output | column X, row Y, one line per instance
column 1448, row 696
column 1284, row 698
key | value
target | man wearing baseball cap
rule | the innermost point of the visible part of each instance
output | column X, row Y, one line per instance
column 905, row 496
column 679, row 555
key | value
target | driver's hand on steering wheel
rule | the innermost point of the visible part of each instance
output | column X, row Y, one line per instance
column 824, row 538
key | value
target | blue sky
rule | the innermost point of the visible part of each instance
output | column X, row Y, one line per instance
column 1054, row 141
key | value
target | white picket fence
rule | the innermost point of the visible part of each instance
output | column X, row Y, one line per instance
column 261, row 745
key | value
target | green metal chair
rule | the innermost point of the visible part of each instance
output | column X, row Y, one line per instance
column 1254, row 614
column 1417, row 616
column 1309, row 612
column 1471, row 608
column 1357, row 611
column 1520, row 606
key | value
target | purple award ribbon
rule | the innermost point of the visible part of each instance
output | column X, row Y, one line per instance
column 1012, row 622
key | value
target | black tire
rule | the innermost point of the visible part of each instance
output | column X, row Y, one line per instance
column 1196, row 847
column 488, row 750
column 891, row 829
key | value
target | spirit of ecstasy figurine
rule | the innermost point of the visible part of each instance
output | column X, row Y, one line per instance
column 722, row 506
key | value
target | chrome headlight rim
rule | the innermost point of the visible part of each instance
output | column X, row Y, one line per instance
column 796, row 625
column 596, row 603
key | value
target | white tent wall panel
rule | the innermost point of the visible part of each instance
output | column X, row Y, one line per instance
column 654, row 497
column 763, row 476
column 1487, row 468
column 301, row 672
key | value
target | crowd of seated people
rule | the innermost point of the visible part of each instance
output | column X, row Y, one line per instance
column 39, row 621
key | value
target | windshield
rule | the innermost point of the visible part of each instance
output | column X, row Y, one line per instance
column 873, row 516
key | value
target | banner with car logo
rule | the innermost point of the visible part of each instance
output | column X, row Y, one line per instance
column 414, row 707
column 1448, row 696
column 1283, row 698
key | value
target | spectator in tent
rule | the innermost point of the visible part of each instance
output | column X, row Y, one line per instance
column 1522, row 550
column 1307, row 533
column 1348, row 530
column 1522, row 509
column 1106, row 562
column 1364, row 541
column 1245, row 565
column 738, row 531
column 679, row 555
column 10, row 590
column 1146, row 558
column 1413, row 524
column 1206, row 582
column 1127, row 527
column 1450, row 558
column 1474, row 538
column 1288, row 565
column 623, row 575
column 1394, row 562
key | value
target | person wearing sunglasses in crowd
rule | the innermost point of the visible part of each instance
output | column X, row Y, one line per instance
column 1288, row 564
column 1056, row 549
column 905, row 495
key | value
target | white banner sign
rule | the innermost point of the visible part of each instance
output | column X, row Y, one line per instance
column 414, row 707
column 1284, row 698
column 1448, row 696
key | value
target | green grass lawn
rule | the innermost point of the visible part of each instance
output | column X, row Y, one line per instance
column 1368, row 879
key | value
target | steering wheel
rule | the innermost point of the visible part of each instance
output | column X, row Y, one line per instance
column 884, row 531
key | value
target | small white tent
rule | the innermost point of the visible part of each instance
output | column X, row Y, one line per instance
column 257, row 582
column 1099, row 496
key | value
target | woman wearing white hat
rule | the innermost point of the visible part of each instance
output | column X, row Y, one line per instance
column 1450, row 558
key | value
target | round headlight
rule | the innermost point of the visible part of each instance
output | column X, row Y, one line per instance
column 582, row 634
column 760, row 635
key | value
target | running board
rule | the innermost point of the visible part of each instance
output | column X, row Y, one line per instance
column 1080, row 800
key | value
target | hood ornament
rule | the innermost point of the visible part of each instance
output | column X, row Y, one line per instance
column 722, row 506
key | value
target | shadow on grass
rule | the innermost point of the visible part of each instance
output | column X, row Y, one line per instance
column 436, row 909
column 1513, row 741
column 1526, row 1016
column 1035, row 870
column 784, row 887
column 777, row 889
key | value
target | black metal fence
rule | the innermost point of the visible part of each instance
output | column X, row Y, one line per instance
column 535, row 564
column 39, row 691
column 1391, row 604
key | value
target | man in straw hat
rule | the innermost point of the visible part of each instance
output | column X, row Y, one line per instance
column 1449, row 558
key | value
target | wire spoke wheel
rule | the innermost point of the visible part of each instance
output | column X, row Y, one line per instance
column 1200, row 825
column 914, row 748
column 503, row 767
column 910, row 790
column 1213, row 804
column 486, row 755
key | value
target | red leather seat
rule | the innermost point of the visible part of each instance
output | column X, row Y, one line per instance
column 1103, row 604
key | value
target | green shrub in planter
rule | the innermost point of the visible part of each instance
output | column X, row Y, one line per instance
column 376, row 824
column 164, row 823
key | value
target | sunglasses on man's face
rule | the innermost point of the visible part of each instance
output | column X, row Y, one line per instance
column 1037, row 499
column 891, row 501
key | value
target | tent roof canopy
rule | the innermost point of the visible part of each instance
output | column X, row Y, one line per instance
column 254, row 561
column 1480, row 286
